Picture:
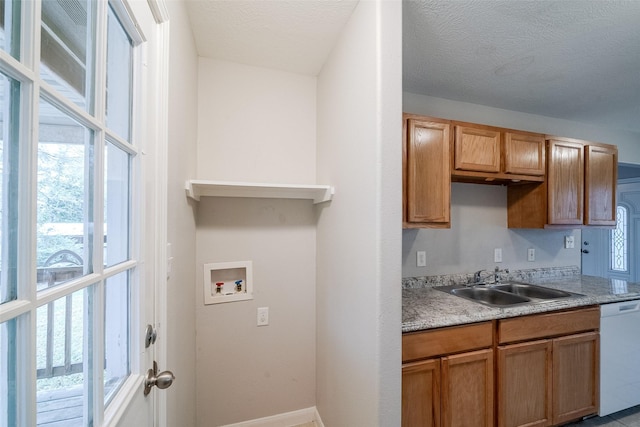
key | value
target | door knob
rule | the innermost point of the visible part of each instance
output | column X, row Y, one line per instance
column 585, row 251
column 162, row 380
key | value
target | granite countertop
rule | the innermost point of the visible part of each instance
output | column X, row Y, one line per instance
column 424, row 307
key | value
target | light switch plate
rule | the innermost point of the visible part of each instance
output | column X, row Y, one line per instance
column 531, row 254
column 263, row 316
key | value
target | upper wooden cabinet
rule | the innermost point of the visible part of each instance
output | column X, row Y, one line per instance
column 601, row 176
column 484, row 153
column 552, row 181
column 565, row 182
column 580, row 189
column 426, row 172
column 477, row 149
column 524, row 154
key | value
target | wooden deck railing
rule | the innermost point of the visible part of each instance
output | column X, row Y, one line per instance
column 48, row 277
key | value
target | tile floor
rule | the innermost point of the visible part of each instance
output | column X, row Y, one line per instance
column 627, row 418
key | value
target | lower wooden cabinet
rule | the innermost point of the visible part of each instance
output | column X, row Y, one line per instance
column 448, row 389
column 537, row 370
column 575, row 376
column 421, row 393
column 550, row 376
column 467, row 389
column 525, row 384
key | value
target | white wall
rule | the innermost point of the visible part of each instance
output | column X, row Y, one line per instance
column 181, row 337
column 256, row 124
column 479, row 217
column 359, row 232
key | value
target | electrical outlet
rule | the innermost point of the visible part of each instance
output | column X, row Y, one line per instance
column 263, row 316
column 531, row 254
column 569, row 242
column 421, row 259
column 497, row 255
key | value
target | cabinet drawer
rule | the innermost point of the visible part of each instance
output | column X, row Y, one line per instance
column 437, row 342
column 548, row 325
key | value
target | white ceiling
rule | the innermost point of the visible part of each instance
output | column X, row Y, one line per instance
column 572, row 59
column 289, row 35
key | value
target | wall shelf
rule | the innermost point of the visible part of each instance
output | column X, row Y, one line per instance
column 202, row 188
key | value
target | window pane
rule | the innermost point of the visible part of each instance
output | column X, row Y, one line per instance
column 66, row 56
column 116, row 205
column 10, row 27
column 116, row 334
column 8, row 372
column 63, row 360
column 119, row 60
column 65, row 195
column 9, row 153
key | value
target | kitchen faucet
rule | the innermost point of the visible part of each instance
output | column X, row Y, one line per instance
column 477, row 277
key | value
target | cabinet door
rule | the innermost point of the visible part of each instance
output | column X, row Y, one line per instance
column 601, row 165
column 524, row 154
column 467, row 389
column 524, row 384
column 477, row 149
column 421, row 394
column 575, row 376
column 428, row 173
column 565, row 182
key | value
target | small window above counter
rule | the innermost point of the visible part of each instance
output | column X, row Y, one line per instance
column 197, row 188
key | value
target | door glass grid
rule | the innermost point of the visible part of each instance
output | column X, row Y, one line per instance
column 64, row 354
column 66, row 53
column 10, row 27
column 619, row 244
column 9, row 155
column 119, row 77
column 8, row 373
column 64, row 198
column 68, row 160
column 116, row 205
column 117, row 317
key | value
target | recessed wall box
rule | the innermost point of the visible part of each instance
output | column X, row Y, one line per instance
column 228, row 282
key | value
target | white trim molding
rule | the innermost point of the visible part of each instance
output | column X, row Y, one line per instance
column 287, row 419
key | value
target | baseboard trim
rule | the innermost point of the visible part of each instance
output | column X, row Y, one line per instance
column 286, row 419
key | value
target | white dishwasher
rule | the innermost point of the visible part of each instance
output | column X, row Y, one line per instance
column 619, row 356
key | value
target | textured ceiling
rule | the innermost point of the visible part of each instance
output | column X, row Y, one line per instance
column 294, row 35
column 577, row 60
column 572, row 59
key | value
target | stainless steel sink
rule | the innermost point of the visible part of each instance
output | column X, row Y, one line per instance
column 507, row 294
column 532, row 291
column 489, row 296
